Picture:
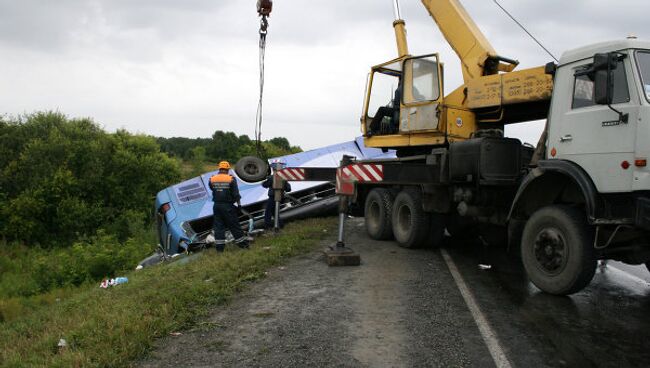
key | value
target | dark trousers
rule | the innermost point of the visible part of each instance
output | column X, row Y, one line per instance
column 376, row 126
column 269, row 213
column 225, row 218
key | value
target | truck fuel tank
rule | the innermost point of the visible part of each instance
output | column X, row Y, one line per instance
column 486, row 161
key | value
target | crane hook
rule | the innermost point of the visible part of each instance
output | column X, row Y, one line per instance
column 264, row 7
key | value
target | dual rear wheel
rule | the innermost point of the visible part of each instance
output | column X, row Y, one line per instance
column 403, row 218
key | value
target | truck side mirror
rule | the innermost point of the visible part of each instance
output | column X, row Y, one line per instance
column 603, row 87
column 603, row 75
column 604, row 61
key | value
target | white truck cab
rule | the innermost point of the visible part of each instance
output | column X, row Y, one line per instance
column 611, row 147
column 589, row 198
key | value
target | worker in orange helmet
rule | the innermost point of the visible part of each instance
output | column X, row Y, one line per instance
column 224, row 194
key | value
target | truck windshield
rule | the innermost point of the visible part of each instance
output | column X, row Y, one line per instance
column 643, row 60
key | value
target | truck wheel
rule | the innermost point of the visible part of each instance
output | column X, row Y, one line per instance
column 251, row 169
column 410, row 222
column 557, row 250
column 378, row 212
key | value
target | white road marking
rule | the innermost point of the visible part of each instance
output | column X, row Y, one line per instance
column 489, row 336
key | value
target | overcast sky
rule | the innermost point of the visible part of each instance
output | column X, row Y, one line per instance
column 188, row 68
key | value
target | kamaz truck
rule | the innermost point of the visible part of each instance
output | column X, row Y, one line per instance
column 582, row 194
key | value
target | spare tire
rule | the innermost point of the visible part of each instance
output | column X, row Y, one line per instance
column 251, row 169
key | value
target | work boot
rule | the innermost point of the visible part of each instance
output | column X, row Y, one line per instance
column 244, row 244
column 220, row 249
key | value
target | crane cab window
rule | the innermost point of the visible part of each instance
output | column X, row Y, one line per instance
column 583, row 88
column 422, row 80
column 383, row 92
column 384, row 96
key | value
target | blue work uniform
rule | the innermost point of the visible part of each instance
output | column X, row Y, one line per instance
column 224, row 194
column 269, row 211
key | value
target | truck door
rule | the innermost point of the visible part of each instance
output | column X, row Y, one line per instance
column 591, row 135
column 422, row 93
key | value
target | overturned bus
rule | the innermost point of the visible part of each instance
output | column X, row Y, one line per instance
column 184, row 210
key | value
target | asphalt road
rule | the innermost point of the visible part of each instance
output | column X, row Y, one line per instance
column 419, row 308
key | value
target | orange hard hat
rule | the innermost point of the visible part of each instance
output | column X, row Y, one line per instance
column 225, row 165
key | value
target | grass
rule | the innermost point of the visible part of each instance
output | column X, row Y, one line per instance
column 31, row 277
column 112, row 327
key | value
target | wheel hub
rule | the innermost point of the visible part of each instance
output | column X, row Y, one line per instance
column 550, row 250
column 251, row 169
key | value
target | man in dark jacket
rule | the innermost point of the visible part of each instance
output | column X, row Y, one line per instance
column 269, row 211
column 224, row 194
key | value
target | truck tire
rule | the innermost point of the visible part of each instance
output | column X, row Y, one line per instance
column 557, row 250
column 252, row 169
column 410, row 222
column 378, row 211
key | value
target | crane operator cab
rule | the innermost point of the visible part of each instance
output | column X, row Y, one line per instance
column 402, row 96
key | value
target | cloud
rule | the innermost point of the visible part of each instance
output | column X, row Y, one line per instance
column 188, row 68
column 40, row 25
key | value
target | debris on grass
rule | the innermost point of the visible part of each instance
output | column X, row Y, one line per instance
column 106, row 283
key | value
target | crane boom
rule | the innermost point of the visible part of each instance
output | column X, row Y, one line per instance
column 475, row 52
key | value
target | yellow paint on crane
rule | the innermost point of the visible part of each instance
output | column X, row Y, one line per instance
column 523, row 86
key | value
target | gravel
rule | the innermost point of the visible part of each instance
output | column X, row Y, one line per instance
column 400, row 308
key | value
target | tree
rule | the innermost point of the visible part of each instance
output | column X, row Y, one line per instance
column 63, row 179
column 281, row 143
column 197, row 160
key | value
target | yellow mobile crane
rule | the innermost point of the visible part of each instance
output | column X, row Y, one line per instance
column 584, row 196
column 420, row 116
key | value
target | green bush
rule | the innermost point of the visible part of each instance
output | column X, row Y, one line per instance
column 31, row 271
column 62, row 179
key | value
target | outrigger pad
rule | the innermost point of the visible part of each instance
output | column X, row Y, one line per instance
column 342, row 256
